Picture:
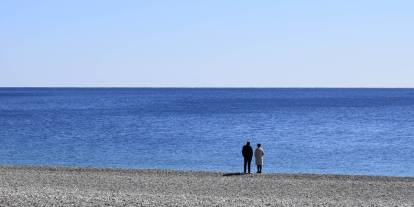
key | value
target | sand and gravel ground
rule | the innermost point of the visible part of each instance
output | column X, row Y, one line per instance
column 49, row 186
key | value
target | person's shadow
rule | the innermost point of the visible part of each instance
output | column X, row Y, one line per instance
column 233, row 174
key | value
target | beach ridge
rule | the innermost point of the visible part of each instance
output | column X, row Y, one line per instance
column 65, row 186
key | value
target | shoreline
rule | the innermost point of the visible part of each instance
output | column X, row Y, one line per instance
column 223, row 173
column 80, row 186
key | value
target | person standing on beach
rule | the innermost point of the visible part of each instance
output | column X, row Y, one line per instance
column 247, row 152
column 258, row 154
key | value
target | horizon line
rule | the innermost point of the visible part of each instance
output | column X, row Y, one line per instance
column 207, row 87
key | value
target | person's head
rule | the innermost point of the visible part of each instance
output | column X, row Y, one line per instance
column 248, row 143
column 259, row 145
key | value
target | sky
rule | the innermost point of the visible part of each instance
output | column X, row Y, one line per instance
column 214, row 43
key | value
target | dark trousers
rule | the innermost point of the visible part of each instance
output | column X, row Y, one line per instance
column 259, row 168
column 247, row 162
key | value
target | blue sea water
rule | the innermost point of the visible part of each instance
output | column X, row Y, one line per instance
column 340, row 131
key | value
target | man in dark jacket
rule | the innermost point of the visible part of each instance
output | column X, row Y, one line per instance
column 247, row 152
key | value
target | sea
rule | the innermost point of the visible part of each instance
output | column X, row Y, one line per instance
column 302, row 130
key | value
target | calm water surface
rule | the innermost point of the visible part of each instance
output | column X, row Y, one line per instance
column 343, row 131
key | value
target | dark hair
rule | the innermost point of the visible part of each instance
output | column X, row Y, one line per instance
column 258, row 145
column 248, row 143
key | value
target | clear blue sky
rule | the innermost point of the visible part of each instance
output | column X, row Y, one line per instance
column 223, row 43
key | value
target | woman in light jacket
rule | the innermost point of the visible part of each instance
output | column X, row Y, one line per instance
column 258, row 154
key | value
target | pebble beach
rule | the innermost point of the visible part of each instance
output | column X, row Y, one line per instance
column 62, row 186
